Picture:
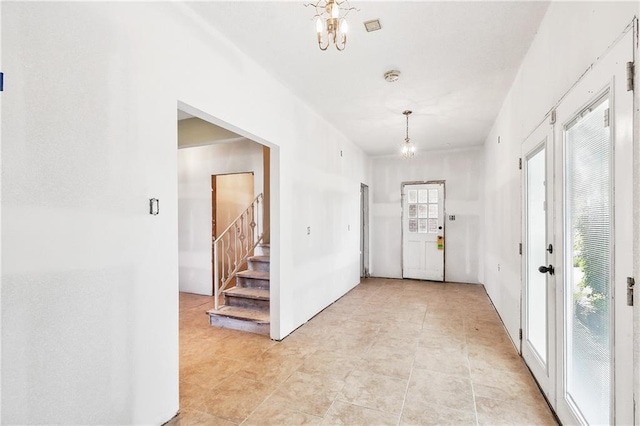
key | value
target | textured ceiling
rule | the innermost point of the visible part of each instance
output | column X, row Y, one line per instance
column 457, row 60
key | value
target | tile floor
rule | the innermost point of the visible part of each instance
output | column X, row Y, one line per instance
column 390, row 352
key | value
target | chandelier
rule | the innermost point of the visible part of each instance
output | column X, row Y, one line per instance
column 331, row 25
column 408, row 149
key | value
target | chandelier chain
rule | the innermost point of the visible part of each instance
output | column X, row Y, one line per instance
column 407, row 113
column 408, row 150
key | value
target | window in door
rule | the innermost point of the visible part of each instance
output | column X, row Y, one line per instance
column 588, row 259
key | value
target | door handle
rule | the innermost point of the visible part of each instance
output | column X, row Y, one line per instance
column 545, row 269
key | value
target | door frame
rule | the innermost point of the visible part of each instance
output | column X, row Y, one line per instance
column 274, row 206
column 444, row 219
column 545, row 140
column 591, row 86
column 364, row 231
column 590, row 95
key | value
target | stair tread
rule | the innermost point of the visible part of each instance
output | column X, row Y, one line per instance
column 261, row 275
column 248, row 292
column 259, row 258
column 241, row 313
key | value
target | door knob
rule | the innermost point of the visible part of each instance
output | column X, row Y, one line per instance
column 545, row 269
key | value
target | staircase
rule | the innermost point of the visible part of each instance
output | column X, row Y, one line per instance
column 246, row 305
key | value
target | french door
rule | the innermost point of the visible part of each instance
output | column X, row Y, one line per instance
column 538, row 309
column 584, row 361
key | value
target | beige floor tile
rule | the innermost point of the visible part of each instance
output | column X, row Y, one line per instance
column 209, row 372
column 347, row 343
column 278, row 415
column 330, row 364
column 487, row 359
column 234, row 399
column 291, row 349
column 505, row 385
column 486, row 333
column 445, row 390
column 190, row 394
column 311, row 394
column 400, row 343
column 399, row 330
column 269, row 368
column 427, row 353
column 243, row 346
column 198, row 418
column 342, row 413
column 388, row 361
column 426, row 414
column 496, row 412
column 383, row 393
column 447, row 360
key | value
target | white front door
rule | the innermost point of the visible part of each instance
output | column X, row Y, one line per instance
column 423, row 231
column 538, row 292
column 593, row 138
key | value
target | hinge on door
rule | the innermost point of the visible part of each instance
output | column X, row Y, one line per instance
column 552, row 119
column 630, row 75
column 519, row 163
column 520, row 334
column 520, row 249
column 631, row 282
column 606, row 117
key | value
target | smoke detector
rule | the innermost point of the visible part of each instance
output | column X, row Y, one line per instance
column 392, row 76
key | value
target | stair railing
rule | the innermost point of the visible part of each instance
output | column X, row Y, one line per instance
column 235, row 244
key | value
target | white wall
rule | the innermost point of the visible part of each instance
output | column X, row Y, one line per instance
column 462, row 169
column 195, row 167
column 89, row 278
column 570, row 38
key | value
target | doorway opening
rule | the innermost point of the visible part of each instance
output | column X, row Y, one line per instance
column 221, row 170
column 364, row 231
column 231, row 193
column 423, row 230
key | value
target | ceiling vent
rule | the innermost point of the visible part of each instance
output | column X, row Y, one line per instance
column 392, row 76
column 373, row 25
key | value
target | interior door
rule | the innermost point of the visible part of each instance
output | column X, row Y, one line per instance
column 594, row 154
column 538, row 292
column 423, row 231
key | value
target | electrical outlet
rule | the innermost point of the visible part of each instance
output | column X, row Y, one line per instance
column 308, row 230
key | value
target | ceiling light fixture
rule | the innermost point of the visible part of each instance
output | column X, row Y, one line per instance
column 331, row 25
column 408, row 149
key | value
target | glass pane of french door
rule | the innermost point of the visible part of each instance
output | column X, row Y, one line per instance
column 536, row 227
column 588, row 229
